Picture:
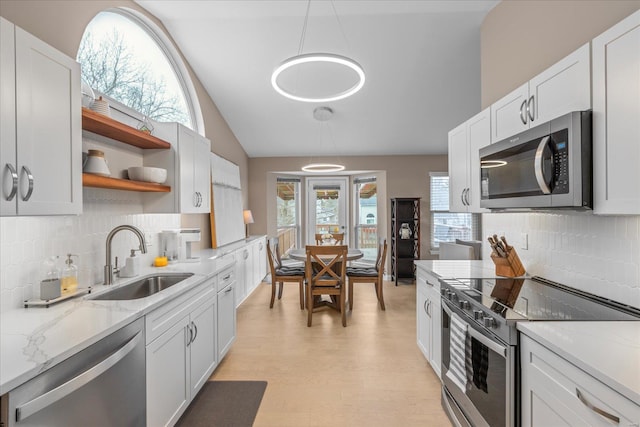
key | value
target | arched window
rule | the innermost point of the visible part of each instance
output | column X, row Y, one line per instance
column 126, row 57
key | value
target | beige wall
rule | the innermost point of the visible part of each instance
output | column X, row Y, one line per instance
column 62, row 23
column 406, row 176
column 519, row 39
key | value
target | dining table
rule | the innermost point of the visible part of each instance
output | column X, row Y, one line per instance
column 300, row 254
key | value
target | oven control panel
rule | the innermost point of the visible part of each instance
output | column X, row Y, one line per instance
column 471, row 304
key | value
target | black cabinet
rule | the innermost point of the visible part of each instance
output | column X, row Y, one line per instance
column 405, row 237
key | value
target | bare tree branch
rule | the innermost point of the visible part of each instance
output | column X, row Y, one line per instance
column 109, row 66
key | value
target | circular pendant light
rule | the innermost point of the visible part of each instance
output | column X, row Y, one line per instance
column 322, row 114
column 318, row 58
column 322, row 167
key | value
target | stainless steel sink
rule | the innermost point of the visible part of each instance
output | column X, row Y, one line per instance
column 144, row 287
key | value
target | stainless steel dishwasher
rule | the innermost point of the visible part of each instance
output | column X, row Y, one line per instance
column 102, row 385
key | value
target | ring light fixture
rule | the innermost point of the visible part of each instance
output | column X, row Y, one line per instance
column 318, row 58
column 322, row 167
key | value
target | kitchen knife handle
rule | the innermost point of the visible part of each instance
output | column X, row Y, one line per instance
column 14, row 185
column 538, row 166
column 523, row 116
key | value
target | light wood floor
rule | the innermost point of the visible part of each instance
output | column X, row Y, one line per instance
column 370, row 373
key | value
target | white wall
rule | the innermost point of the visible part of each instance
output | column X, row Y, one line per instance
column 26, row 241
column 596, row 254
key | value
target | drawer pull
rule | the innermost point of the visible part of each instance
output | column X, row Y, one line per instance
column 226, row 277
column 596, row 409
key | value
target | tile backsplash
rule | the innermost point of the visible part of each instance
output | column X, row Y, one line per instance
column 596, row 254
column 25, row 242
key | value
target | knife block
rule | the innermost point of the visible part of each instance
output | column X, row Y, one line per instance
column 511, row 266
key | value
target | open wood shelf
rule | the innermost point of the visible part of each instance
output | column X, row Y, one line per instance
column 106, row 126
column 97, row 181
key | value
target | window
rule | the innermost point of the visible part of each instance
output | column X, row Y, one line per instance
column 288, row 213
column 125, row 59
column 366, row 227
column 448, row 226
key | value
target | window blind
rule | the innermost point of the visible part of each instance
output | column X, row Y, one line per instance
column 448, row 226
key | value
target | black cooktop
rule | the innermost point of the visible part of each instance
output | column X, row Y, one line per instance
column 539, row 299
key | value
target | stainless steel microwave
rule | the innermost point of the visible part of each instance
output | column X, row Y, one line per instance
column 548, row 166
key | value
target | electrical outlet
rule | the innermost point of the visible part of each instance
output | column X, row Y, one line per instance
column 524, row 241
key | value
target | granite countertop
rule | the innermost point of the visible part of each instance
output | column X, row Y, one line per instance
column 35, row 339
column 608, row 351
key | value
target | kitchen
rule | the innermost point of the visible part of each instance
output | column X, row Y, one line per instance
column 599, row 253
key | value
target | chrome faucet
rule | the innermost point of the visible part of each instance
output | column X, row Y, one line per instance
column 108, row 268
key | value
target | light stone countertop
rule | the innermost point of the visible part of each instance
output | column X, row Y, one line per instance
column 460, row 269
column 34, row 339
column 608, row 351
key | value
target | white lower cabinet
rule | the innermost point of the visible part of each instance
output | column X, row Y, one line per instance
column 429, row 319
column 203, row 343
column 226, row 316
column 168, row 388
column 557, row 393
column 181, row 352
column 251, row 268
column 243, row 273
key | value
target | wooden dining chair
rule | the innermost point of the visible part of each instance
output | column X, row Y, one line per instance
column 281, row 274
column 326, row 275
column 338, row 237
column 374, row 274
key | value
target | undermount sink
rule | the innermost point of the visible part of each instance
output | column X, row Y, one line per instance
column 144, row 287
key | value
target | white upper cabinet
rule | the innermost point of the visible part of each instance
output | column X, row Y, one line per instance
column 616, row 119
column 560, row 89
column 195, row 179
column 188, row 166
column 465, row 142
column 458, row 168
column 40, row 127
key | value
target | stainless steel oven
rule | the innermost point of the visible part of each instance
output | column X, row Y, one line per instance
column 483, row 392
column 480, row 358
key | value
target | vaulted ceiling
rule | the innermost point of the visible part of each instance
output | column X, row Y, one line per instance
column 421, row 59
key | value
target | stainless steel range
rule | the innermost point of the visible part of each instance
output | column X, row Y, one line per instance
column 479, row 340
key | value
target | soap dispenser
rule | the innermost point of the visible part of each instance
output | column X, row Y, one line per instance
column 50, row 283
column 69, row 281
column 132, row 265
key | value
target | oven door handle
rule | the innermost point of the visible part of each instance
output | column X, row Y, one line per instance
column 497, row 348
column 538, row 165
